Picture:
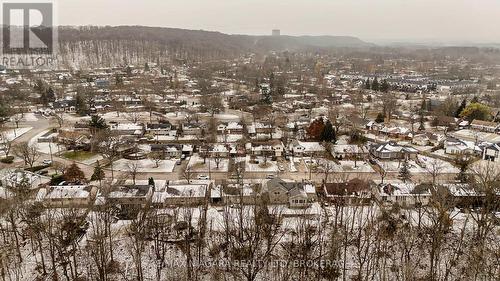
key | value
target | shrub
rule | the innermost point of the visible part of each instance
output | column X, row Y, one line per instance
column 7, row 160
column 37, row 168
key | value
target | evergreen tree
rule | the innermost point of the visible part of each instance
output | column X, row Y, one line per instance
column 146, row 67
column 375, row 85
column 50, row 95
column 328, row 134
column 73, row 174
column 97, row 123
column 385, row 86
column 82, row 106
column 266, row 96
column 118, row 80
column 422, row 121
column 151, row 181
column 461, row 108
column 404, row 172
column 98, row 174
column 380, row 118
column 367, row 84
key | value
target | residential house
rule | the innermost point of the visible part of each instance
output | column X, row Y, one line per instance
column 246, row 193
column 271, row 148
column 130, row 198
column 159, row 129
column 491, row 152
column 192, row 194
column 67, row 196
column 296, row 195
column 353, row 192
column 127, row 128
column 349, row 151
column 15, row 179
column 404, row 194
column 392, row 150
column 168, row 150
column 455, row 146
column 484, row 126
column 231, row 128
column 302, row 148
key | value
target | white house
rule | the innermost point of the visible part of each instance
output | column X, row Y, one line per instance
column 492, row 152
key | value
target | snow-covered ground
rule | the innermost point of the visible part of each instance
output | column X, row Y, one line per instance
column 348, row 166
column 293, row 169
column 45, row 147
column 227, row 117
column 26, row 117
column 92, row 160
column 196, row 164
column 229, row 138
column 270, row 166
column 145, row 166
column 13, row 134
column 423, row 165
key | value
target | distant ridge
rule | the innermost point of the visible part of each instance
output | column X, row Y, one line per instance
column 138, row 43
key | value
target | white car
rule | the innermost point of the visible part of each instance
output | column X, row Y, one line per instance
column 47, row 162
column 202, row 177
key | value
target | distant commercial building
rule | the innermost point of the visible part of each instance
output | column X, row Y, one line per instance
column 276, row 32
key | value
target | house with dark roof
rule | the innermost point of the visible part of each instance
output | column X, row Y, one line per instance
column 353, row 192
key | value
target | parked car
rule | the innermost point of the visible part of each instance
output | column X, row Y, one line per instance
column 47, row 162
column 270, row 176
column 202, row 177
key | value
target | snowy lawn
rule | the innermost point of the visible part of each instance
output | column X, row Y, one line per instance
column 13, row 134
column 45, row 147
column 349, row 166
column 145, row 166
column 259, row 165
column 422, row 165
column 229, row 138
column 196, row 164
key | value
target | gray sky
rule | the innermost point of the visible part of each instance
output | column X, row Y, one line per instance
column 372, row 20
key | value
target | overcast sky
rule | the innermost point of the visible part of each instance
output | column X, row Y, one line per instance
column 375, row 20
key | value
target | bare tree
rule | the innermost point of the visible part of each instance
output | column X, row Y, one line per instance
column 187, row 174
column 157, row 157
column 133, row 170
column 29, row 153
column 434, row 168
column 5, row 143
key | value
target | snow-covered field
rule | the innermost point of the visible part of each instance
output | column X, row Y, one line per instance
column 227, row 117
column 196, row 164
column 350, row 166
column 229, row 138
column 422, row 165
column 270, row 166
column 27, row 117
column 45, row 147
column 13, row 134
column 145, row 166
